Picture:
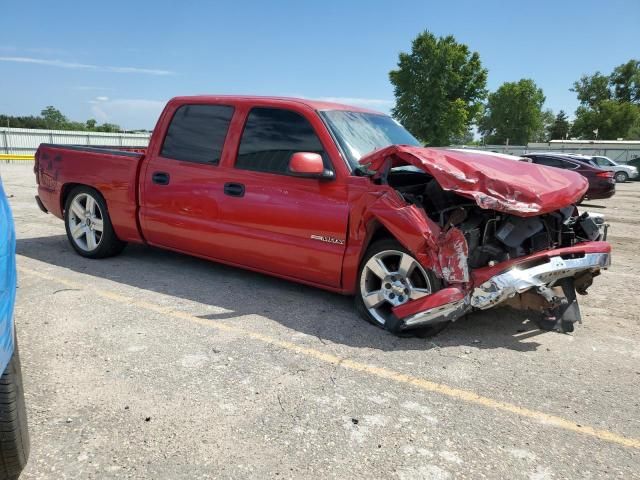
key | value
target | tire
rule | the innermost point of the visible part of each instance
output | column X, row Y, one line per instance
column 85, row 211
column 14, row 434
column 419, row 282
column 621, row 177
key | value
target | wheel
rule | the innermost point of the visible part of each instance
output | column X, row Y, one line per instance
column 88, row 225
column 14, row 434
column 390, row 276
column 621, row 177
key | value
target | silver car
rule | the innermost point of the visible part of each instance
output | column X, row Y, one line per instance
column 622, row 173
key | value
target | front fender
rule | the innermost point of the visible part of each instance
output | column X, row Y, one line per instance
column 444, row 252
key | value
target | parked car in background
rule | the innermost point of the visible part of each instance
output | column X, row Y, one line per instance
column 635, row 162
column 14, row 435
column 601, row 182
column 621, row 173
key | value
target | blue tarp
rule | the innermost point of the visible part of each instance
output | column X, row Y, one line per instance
column 7, row 280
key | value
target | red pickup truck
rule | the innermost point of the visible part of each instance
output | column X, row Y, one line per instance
column 337, row 197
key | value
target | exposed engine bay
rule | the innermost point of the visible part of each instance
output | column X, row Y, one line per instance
column 494, row 237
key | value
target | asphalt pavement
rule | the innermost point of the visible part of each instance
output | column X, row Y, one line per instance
column 158, row 365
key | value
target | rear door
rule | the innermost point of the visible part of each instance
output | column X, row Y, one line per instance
column 181, row 185
column 275, row 222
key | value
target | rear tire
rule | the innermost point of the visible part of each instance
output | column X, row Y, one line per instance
column 88, row 224
column 621, row 177
column 14, row 433
column 421, row 282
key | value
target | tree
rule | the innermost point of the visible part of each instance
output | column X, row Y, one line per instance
column 439, row 88
column 612, row 119
column 609, row 104
column 91, row 124
column 542, row 135
column 592, row 89
column 109, row 127
column 625, row 81
column 513, row 113
column 53, row 118
column 560, row 127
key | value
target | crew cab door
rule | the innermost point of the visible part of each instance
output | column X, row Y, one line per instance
column 275, row 222
column 181, row 184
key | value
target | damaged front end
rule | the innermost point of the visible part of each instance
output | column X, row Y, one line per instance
column 496, row 231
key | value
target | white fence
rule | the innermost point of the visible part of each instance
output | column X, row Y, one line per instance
column 620, row 152
column 25, row 141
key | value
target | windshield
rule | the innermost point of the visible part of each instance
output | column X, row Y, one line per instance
column 359, row 133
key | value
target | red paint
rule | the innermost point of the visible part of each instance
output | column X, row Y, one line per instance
column 493, row 182
column 441, row 297
column 453, row 253
column 305, row 163
column 270, row 227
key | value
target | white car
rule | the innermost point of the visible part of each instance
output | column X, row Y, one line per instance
column 622, row 173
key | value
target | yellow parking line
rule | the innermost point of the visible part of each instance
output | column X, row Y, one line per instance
column 9, row 156
column 380, row 372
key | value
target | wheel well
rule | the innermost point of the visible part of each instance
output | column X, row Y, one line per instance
column 379, row 233
column 67, row 188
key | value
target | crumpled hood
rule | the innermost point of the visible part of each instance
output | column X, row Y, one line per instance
column 494, row 182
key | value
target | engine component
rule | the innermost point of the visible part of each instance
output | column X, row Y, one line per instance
column 589, row 227
column 515, row 230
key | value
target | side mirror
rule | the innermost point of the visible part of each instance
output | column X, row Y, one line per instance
column 308, row 165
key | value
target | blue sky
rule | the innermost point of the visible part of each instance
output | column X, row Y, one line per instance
column 120, row 61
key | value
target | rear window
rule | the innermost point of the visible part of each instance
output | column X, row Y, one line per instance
column 554, row 162
column 197, row 132
column 271, row 136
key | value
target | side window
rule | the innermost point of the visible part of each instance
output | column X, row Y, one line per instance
column 602, row 162
column 197, row 132
column 569, row 165
column 271, row 136
column 549, row 162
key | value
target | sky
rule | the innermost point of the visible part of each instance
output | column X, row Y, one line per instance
column 120, row 61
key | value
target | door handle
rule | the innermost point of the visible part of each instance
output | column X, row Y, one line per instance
column 234, row 189
column 160, row 178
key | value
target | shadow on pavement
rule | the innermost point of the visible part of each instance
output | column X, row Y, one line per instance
column 312, row 311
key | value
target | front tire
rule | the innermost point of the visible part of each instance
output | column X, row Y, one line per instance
column 14, row 433
column 389, row 276
column 88, row 224
column 621, row 177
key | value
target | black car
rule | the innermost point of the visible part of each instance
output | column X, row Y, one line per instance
column 601, row 182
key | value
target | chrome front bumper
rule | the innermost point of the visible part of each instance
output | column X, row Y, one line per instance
column 508, row 284
column 514, row 281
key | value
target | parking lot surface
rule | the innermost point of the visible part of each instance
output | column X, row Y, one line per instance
column 154, row 364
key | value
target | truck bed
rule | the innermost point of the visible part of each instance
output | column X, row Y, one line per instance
column 113, row 171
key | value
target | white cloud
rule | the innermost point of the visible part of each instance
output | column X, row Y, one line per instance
column 134, row 113
column 102, row 99
column 86, row 66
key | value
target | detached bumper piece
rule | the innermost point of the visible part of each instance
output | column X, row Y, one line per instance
column 517, row 280
column 538, row 275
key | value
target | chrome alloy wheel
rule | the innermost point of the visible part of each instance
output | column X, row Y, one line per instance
column 391, row 278
column 85, row 222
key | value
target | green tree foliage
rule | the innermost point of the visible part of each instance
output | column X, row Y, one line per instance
column 439, row 88
column 514, row 113
column 625, row 81
column 592, row 89
column 559, row 129
column 609, row 104
column 52, row 119
column 611, row 118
